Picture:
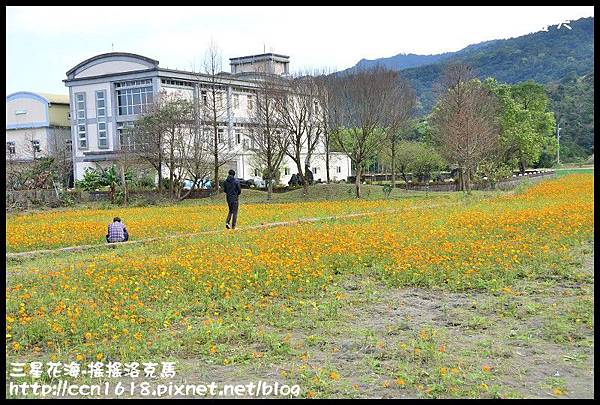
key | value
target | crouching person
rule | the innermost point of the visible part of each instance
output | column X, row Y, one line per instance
column 117, row 231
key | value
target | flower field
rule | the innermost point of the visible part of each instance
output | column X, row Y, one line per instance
column 191, row 297
column 218, row 296
column 48, row 230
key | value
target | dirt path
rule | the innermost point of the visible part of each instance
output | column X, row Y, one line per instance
column 522, row 344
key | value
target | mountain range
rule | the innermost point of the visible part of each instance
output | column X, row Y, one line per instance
column 560, row 58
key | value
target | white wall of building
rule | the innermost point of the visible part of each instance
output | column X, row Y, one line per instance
column 116, row 66
column 23, row 142
column 90, row 110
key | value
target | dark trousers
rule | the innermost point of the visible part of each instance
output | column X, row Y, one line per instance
column 124, row 240
column 232, row 215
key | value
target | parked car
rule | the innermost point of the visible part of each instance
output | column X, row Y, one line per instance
column 256, row 182
column 204, row 184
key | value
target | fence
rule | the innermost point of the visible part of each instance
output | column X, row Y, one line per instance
column 507, row 184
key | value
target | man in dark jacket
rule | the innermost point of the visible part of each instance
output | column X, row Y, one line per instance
column 232, row 190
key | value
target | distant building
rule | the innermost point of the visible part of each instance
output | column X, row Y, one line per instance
column 268, row 63
column 37, row 125
column 108, row 93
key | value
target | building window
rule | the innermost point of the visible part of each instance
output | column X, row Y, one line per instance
column 10, row 148
column 238, row 136
column 69, row 145
column 180, row 83
column 250, row 103
column 36, row 146
column 204, row 98
column 315, row 169
column 133, row 83
column 339, row 169
column 219, row 102
column 236, row 101
column 101, row 119
column 81, row 123
column 255, row 172
column 316, row 107
column 286, row 171
column 100, row 104
column 134, row 100
column 126, row 139
column 20, row 112
column 102, row 135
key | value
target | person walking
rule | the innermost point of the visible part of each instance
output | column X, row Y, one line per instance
column 233, row 189
column 117, row 231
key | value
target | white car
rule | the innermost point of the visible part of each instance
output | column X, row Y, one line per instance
column 258, row 182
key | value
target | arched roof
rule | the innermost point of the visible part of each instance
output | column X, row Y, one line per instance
column 27, row 94
column 111, row 56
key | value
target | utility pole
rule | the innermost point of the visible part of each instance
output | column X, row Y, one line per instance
column 558, row 128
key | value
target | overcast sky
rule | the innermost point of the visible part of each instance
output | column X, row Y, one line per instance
column 42, row 43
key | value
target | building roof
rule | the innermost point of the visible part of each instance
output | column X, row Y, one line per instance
column 56, row 98
column 47, row 97
column 112, row 54
column 261, row 56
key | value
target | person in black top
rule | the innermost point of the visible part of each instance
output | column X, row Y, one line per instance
column 232, row 190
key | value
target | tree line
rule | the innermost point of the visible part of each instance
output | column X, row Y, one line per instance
column 483, row 127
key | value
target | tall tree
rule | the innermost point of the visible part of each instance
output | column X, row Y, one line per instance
column 399, row 109
column 298, row 112
column 214, row 100
column 464, row 121
column 358, row 107
column 323, row 116
column 527, row 125
column 160, row 133
column 147, row 135
column 267, row 138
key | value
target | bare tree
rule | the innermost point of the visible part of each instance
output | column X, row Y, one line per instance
column 127, row 158
column 195, row 152
column 60, row 148
column 465, row 121
column 160, row 134
column 177, row 117
column 399, row 108
column 214, row 101
column 267, row 137
column 298, row 113
column 357, row 110
column 147, row 135
column 323, row 117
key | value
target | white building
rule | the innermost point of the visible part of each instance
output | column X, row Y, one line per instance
column 109, row 91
